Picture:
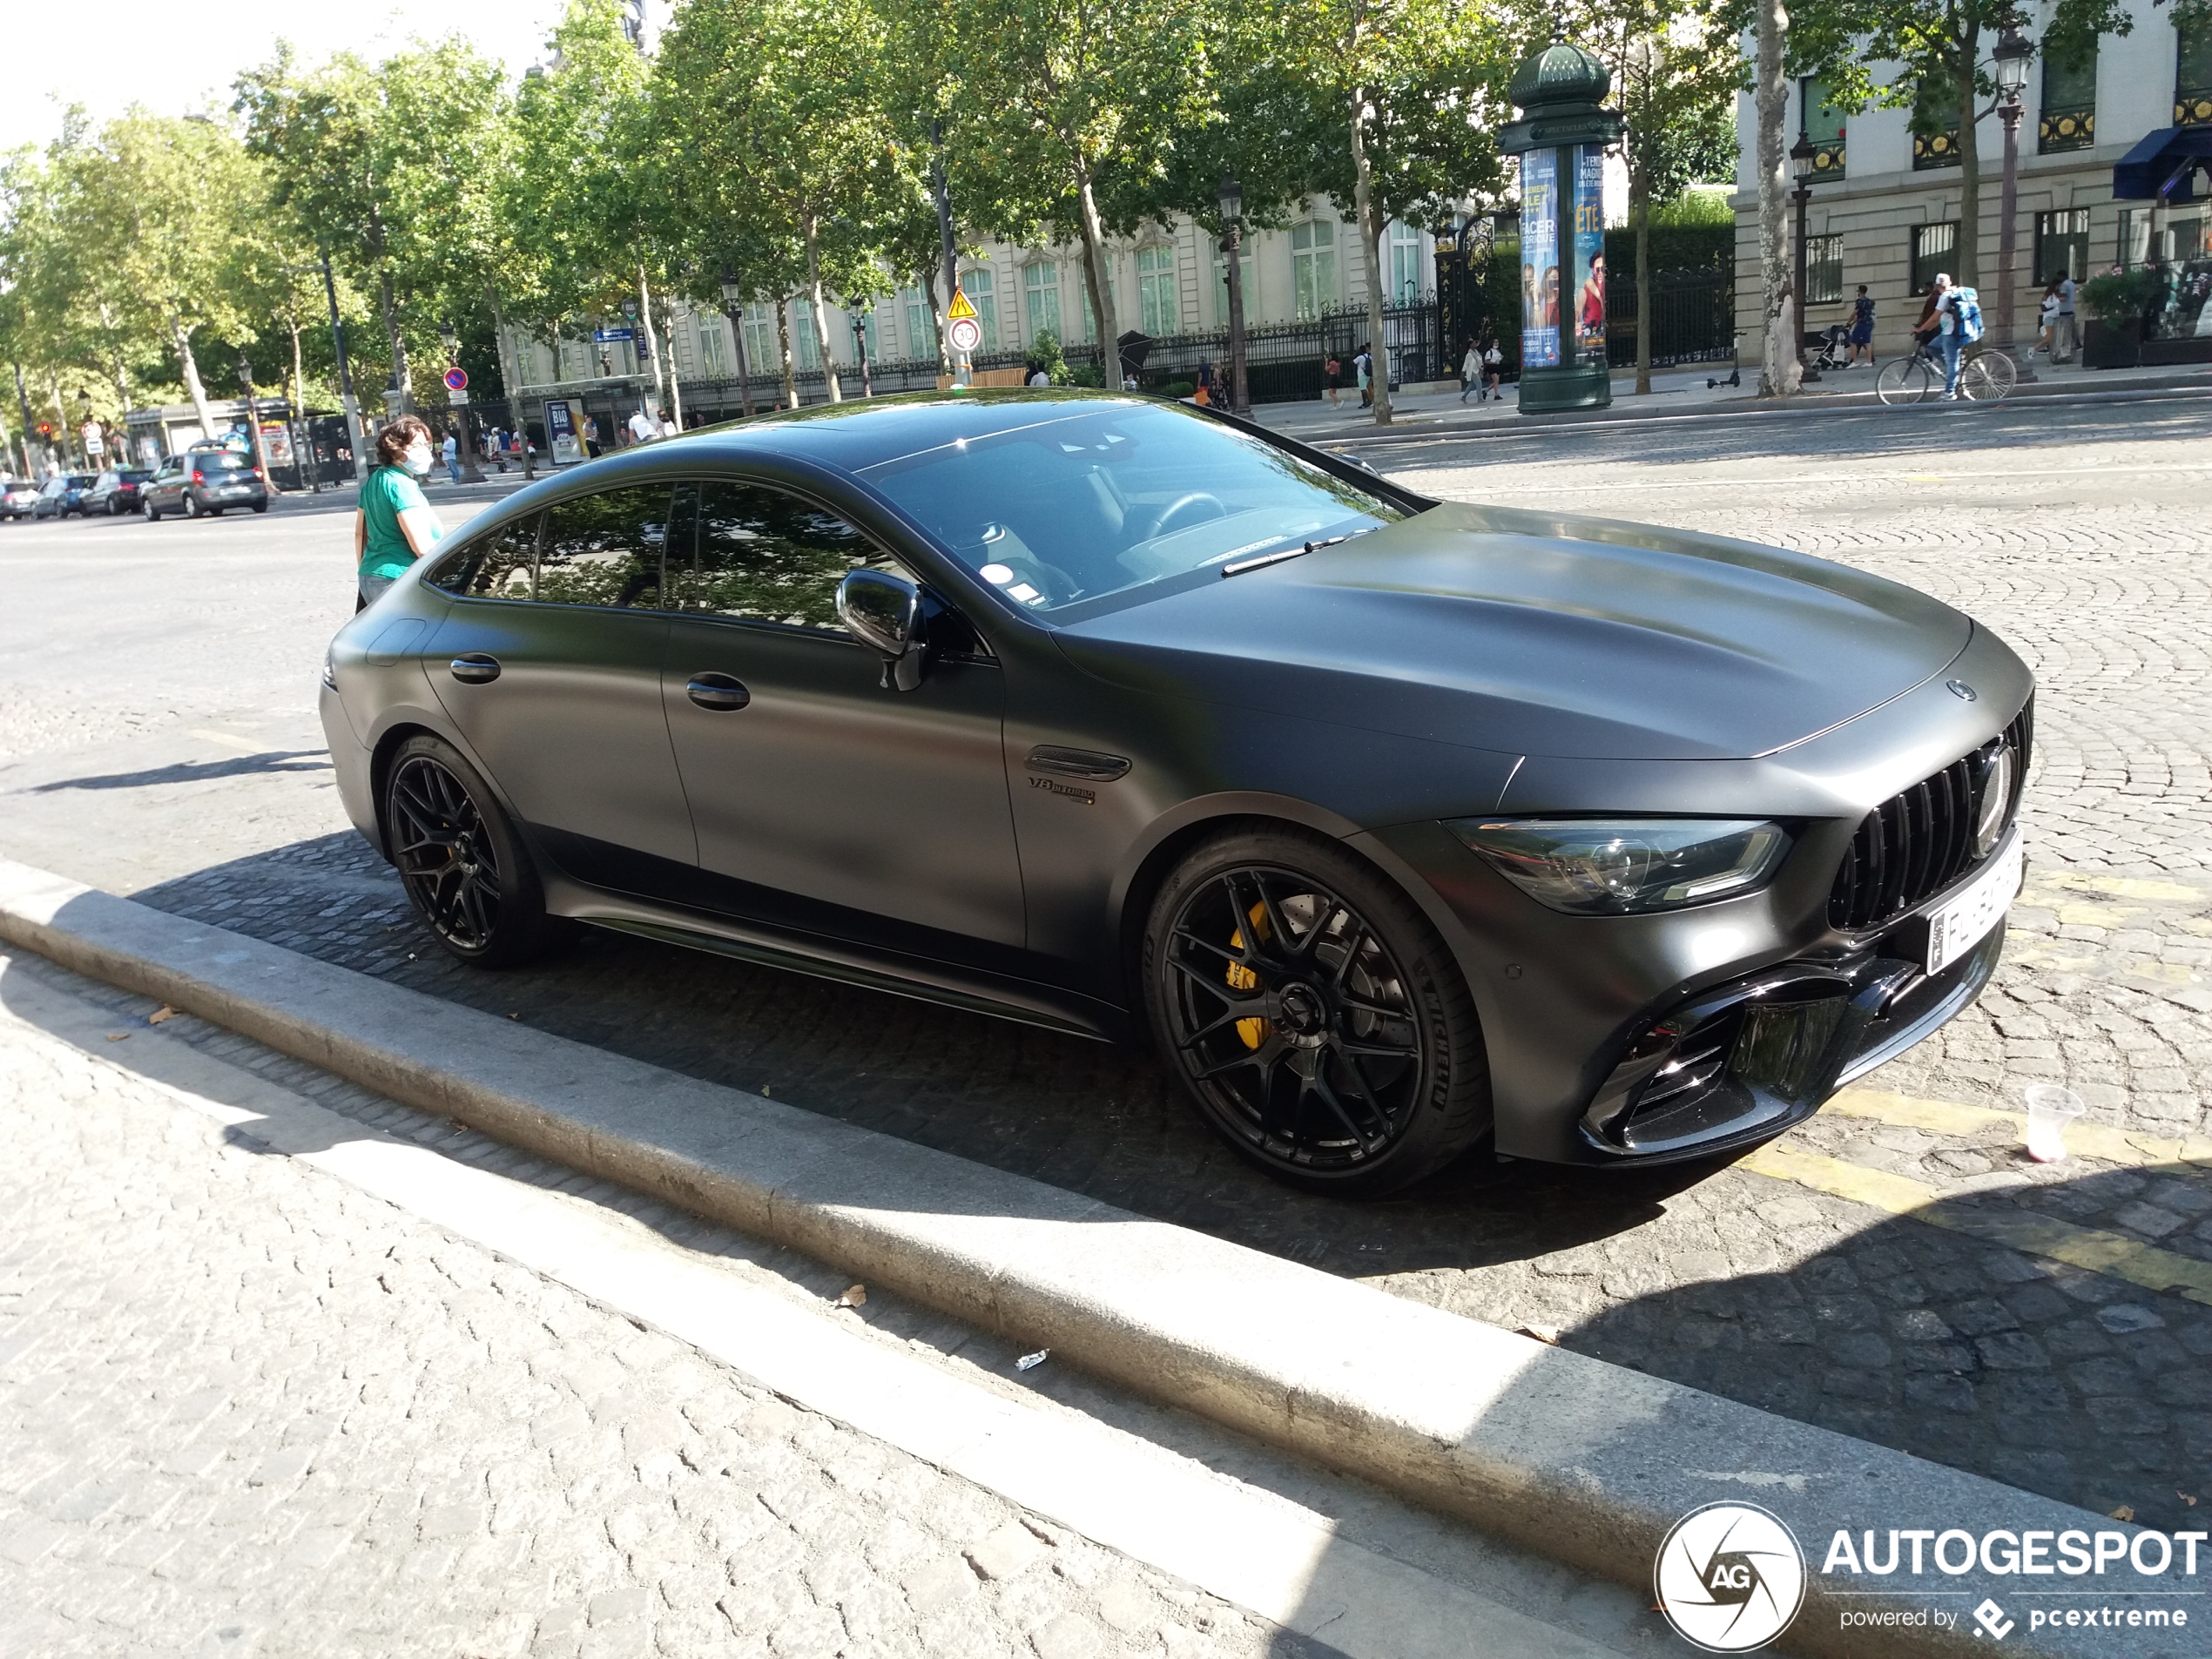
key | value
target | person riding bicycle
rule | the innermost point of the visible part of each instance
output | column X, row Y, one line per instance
column 1957, row 310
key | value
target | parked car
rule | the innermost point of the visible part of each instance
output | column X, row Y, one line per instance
column 204, row 482
column 62, row 495
column 18, row 497
column 1396, row 827
column 116, row 490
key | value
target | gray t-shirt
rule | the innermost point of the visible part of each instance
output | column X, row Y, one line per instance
column 2066, row 296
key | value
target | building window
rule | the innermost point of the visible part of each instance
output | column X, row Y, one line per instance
column 762, row 354
column 1313, row 268
column 2193, row 72
column 1406, row 284
column 1935, row 128
column 2068, row 120
column 983, row 292
column 1161, row 306
column 1825, row 270
column 2062, row 244
column 1823, row 126
column 921, row 328
column 712, row 364
column 2148, row 237
column 1932, row 249
column 806, row 350
column 1041, row 289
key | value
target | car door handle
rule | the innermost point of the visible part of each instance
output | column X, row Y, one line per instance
column 475, row 668
column 718, row 691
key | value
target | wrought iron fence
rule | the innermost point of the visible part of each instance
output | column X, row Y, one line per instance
column 1693, row 319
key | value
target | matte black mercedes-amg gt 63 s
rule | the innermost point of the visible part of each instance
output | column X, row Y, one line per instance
column 1390, row 824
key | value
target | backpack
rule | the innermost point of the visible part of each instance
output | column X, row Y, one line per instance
column 1966, row 304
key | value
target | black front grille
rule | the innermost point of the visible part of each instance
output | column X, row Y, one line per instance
column 1916, row 843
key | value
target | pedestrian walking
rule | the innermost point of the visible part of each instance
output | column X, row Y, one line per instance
column 1332, row 377
column 2048, row 322
column 1493, row 366
column 451, row 450
column 643, row 427
column 2063, row 342
column 1202, row 394
column 668, row 427
column 591, row 435
column 1861, row 337
column 1363, row 367
column 393, row 525
column 1470, row 372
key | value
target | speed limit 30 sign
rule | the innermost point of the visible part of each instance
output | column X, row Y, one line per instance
column 966, row 333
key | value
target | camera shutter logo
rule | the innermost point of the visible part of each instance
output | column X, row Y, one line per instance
column 1730, row 1577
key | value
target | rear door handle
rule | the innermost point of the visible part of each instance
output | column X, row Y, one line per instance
column 476, row 668
column 720, row 693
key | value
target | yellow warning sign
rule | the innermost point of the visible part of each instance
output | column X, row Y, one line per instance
column 960, row 306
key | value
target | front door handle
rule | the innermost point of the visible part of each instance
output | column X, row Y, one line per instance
column 475, row 668
column 720, row 693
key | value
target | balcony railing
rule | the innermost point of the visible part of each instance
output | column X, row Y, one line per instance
column 2193, row 106
column 2062, row 130
column 1828, row 159
column 1935, row 149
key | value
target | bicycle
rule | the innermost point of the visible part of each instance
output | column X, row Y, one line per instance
column 1985, row 376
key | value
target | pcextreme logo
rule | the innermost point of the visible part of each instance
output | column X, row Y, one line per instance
column 1730, row 1577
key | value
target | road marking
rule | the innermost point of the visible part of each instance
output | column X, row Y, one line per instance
column 225, row 740
column 2120, row 886
column 1839, row 476
column 2089, row 1248
column 2130, row 1148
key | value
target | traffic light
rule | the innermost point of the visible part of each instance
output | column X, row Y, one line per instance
column 45, row 429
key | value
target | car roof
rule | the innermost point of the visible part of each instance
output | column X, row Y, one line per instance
column 853, row 436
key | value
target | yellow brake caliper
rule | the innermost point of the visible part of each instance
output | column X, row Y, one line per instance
column 1253, row 1030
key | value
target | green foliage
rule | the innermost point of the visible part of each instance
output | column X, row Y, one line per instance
column 1045, row 351
column 2123, row 296
column 1696, row 207
column 1674, row 247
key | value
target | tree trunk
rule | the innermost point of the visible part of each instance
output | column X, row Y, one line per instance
column 401, row 380
column 668, row 341
column 1102, row 291
column 1969, row 248
column 783, row 345
column 188, row 366
column 253, row 431
column 1779, row 370
column 295, row 408
column 509, row 367
column 653, row 345
column 1371, row 232
column 937, row 323
column 815, row 312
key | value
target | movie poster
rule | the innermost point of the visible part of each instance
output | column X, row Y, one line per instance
column 1589, row 253
column 560, row 432
column 1539, row 260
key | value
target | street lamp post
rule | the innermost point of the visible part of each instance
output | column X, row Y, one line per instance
column 859, row 319
column 2012, row 57
column 1801, row 160
column 1232, row 238
column 253, row 420
column 733, row 307
column 465, row 442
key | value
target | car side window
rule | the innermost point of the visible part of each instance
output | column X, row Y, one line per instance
column 503, row 565
column 765, row 555
column 605, row 550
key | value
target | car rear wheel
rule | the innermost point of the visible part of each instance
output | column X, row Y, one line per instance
column 260, row 507
column 465, row 869
column 1312, row 1015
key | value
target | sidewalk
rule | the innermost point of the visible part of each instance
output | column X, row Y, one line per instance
column 1685, row 391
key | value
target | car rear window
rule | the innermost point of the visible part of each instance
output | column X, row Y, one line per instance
column 215, row 461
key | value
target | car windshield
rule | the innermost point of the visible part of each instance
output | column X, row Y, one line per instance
column 1081, row 505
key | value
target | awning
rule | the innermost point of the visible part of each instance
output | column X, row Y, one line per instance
column 2143, row 174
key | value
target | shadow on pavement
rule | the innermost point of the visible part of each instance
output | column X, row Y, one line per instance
column 186, row 771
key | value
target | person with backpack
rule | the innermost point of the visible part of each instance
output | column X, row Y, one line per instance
column 1957, row 320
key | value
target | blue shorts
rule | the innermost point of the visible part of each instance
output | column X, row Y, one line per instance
column 1862, row 334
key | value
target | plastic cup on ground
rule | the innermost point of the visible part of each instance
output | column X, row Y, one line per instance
column 2050, row 1109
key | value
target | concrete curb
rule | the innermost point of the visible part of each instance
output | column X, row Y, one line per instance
column 1575, row 1458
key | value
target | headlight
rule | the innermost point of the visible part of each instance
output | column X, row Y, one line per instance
column 1613, row 867
column 329, row 671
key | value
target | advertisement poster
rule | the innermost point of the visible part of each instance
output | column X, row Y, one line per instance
column 276, row 442
column 1539, row 260
column 560, row 432
column 1589, row 253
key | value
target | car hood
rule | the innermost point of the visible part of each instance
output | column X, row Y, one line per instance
column 1539, row 633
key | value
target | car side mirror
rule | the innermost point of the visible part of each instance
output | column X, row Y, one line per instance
column 885, row 613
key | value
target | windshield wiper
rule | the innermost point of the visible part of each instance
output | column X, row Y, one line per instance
column 1243, row 565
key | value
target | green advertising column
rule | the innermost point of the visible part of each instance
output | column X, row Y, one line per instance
column 1562, row 139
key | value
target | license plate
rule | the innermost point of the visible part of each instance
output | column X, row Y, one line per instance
column 1964, row 921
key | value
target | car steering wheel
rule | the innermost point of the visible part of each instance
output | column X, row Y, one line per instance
column 1175, row 509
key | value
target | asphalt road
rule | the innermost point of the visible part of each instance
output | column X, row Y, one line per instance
column 157, row 724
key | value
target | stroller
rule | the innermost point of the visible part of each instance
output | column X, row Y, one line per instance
column 1835, row 346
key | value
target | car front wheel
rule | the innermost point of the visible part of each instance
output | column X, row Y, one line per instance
column 152, row 513
column 464, row 867
column 1312, row 1015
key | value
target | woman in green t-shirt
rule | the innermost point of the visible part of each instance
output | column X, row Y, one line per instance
column 394, row 525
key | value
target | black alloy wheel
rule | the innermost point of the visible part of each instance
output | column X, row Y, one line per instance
column 1313, row 1016
column 465, row 870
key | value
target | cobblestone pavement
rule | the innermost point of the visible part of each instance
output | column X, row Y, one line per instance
column 246, row 1408
column 2072, row 531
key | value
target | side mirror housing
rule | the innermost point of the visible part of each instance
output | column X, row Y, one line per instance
column 885, row 613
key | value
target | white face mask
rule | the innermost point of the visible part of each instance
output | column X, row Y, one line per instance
column 418, row 458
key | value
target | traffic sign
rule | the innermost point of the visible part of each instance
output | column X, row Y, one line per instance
column 966, row 333
column 456, row 379
column 960, row 307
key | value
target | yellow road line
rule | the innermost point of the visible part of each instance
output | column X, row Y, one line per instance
column 2089, row 1248
column 2119, row 886
column 2131, row 1148
column 227, row 740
